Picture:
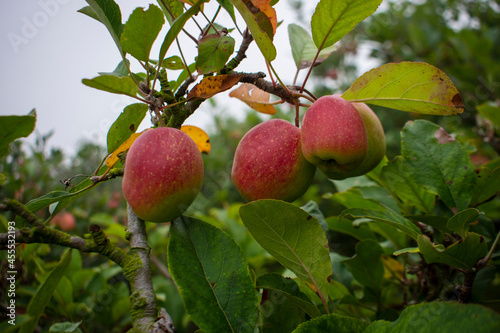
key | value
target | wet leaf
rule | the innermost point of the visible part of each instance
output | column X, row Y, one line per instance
column 254, row 97
column 213, row 85
column 199, row 136
column 407, row 86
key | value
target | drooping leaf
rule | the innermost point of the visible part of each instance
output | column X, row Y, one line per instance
column 461, row 221
column 385, row 216
column 439, row 163
column 461, row 254
column 199, row 136
column 213, row 277
column 486, row 186
column 288, row 288
column 366, row 266
column 141, row 30
column 43, row 294
column 212, row 85
column 440, row 317
column 333, row 323
column 113, row 84
column 176, row 27
column 400, row 182
column 293, row 237
column 303, row 48
column 108, row 13
column 267, row 9
column 407, row 86
column 261, row 37
column 15, row 127
column 254, row 97
column 127, row 123
column 47, row 200
column 333, row 19
column 214, row 51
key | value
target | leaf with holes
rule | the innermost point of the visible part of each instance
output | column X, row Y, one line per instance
column 407, row 86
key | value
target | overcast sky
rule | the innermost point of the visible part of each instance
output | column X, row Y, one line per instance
column 47, row 48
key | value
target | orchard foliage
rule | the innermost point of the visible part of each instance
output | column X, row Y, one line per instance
column 408, row 246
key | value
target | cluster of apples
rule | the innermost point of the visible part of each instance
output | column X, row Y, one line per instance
column 276, row 160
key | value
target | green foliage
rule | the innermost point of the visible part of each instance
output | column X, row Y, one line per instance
column 351, row 255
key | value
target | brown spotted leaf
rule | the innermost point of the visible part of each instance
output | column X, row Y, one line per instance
column 212, row 85
column 407, row 86
column 254, row 97
column 270, row 12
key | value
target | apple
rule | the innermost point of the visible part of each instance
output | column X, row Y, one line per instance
column 268, row 163
column 163, row 174
column 341, row 138
column 65, row 220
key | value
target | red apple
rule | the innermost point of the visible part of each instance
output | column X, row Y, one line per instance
column 268, row 163
column 64, row 220
column 334, row 136
column 163, row 174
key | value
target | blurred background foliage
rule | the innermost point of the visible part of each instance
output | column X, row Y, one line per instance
column 461, row 37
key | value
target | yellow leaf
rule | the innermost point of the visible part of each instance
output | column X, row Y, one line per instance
column 212, row 85
column 113, row 158
column 393, row 268
column 254, row 97
column 199, row 136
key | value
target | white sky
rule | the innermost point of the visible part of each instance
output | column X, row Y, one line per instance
column 47, row 48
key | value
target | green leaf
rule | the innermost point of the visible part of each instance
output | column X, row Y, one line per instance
column 487, row 185
column 127, row 123
column 360, row 231
column 313, row 209
column 47, row 200
column 461, row 221
column 333, row 19
column 261, row 37
column 121, row 70
column 176, row 27
column 141, row 30
column 213, row 52
column 2, row 179
column 366, row 266
column 293, row 237
column 44, row 292
column 171, row 8
column 113, row 84
column 386, row 216
column 15, row 127
column 439, row 163
column 490, row 111
column 332, row 323
column 461, row 254
column 440, row 317
column 213, row 277
column 281, row 287
column 173, row 63
column 65, row 327
column 407, row 86
column 303, row 48
column 400, row 182
column 108, row 13
column 226, row 4
column 353, row 198
column 407, row 250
